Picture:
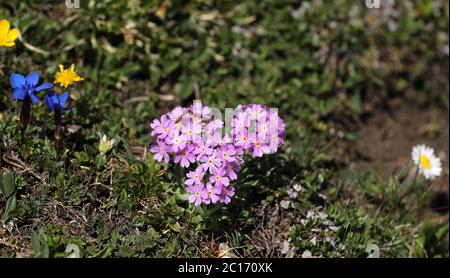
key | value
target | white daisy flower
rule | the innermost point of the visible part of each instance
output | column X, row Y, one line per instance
column 426, row 161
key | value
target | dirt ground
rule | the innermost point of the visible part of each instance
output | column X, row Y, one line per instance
column 389, row 134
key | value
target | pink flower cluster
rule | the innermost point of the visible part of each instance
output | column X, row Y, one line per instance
column 195, row 139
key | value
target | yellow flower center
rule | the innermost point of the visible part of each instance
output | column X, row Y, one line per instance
column 197, row 194
column 425, row 162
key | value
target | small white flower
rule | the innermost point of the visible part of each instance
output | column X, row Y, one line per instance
column 105, row 144
column 426, row 161
column 285, row 204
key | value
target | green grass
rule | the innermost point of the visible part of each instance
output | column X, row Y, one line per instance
column 320, row 67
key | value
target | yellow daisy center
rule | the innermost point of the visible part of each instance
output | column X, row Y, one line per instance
column 425, row 162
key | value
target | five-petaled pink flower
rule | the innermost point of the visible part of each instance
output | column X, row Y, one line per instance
column 161, row 152
column 198, row 194
column 195, row 177
column 211, row 163
column 178, row 143
column 219, row 177
column 185, row 157
column 203, row 149
column 162, row 128
column 227, row 152
column 227, row 193
column 213, row 192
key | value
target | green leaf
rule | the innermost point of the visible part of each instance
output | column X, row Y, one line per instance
column 7, row 185
column 9, row 207
column 352, row 136
column 197, row 219
column 45, row 252
column 175, row 227
column 170, row 66
column 125, row 204
column 123, row 196
column 442, row 231
column 185, row 89
column 39, row 244
column 35, row 242
column 357, row 103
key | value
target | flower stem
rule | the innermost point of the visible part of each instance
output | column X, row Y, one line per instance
column 25, row 116
column 179, row 173
column 58, row 133
column 24, row 120
column 405, row 187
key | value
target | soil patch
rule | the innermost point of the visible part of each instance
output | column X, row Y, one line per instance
column 389, row 134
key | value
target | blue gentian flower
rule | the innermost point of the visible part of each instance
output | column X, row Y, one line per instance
column 26, row 86
column 55, row 102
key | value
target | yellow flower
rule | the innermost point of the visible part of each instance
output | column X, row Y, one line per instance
column 7, row 35
column 67, row 77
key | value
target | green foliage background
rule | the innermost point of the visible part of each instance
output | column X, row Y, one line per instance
column 320, row 63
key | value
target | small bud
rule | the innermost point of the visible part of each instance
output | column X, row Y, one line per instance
column 105, row 144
